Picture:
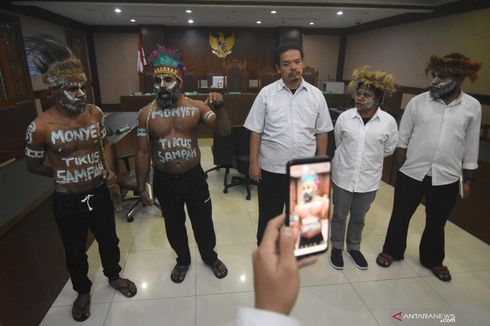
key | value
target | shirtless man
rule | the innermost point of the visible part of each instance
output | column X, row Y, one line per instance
column 167, row 134
column 311, row 212
column 69, row 134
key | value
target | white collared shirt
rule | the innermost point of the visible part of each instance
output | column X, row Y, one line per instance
column 358, row 160
column 255, row 317
column 440, row 138
column 288, row 123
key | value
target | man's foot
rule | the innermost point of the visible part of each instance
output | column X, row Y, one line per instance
column 384, row 260
column 219, row 269
column 336, row 259
column 178, row 273
column 81, row 307
column 442, row 273
column 125, row 286
column 358, row 258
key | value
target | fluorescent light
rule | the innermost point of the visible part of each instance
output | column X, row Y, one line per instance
column 312, row 23
column 273, row 12
column 191, row 21
column 188, row 11
column 340, row 13
column 132, row 20
column 258, row 22
column 117, row 11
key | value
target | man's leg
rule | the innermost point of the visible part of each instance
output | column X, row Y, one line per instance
column 174, row 217
column 342, row 200
column 359, row 208
column 408, row 193
column 439, row 202
column 102, row 224
column 273, row 193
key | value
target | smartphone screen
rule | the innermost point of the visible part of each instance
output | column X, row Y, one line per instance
column 308, row 209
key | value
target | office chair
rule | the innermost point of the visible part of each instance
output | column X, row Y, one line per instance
column 241, row 159
column 222, row 149
column 127, row 182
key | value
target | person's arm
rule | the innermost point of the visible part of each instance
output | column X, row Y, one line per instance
column 35, row 152
column 321, row 144
column 217, row 118
column 392, row 140
column 254, row 167
column 470, row 159
column 143, row 155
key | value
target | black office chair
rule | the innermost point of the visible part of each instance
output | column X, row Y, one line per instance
column 127, row 182
column 222, row 149
column 241, row 159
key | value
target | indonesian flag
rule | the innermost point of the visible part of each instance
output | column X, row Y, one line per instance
column 141, row 60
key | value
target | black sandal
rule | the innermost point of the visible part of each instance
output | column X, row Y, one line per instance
column 384, row 260
column 219, row 269
column 78, row 312
column 128, row 289
column 178, row 273
column 442, row 273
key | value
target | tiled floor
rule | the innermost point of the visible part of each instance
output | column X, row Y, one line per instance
column 327, row 297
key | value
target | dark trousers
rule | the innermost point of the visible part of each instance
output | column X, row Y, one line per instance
column 74, row 218
column 273, row 191
column 439, row 201
column 190, row 189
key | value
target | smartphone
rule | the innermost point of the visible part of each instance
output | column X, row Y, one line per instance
column 308, row 208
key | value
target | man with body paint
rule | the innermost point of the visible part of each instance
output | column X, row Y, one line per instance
column 438, row 144
column 69, row 136
column 167, row 136
column 364, row 136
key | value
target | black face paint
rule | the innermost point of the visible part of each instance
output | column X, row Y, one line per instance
column 166, row 98
column 438, row 91
column 72, row 103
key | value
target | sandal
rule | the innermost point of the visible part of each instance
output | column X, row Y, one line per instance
column 178, row 273
column 126, row 287
column 81, row 312
column 219, row 269
column 384, row 260
column 442, row 273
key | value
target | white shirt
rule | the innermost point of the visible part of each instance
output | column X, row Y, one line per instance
column 358, row 160
column 288, row 123
column 256, row 317
column 440, row 138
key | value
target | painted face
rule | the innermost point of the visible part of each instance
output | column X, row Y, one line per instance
column 291, row 66
column 365, row 99
column 72, row 97
column 309, row 191
column 167, row 89
column 441, row 84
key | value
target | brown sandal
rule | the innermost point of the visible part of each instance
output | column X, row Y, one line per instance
column 81, row 312
column 442, row 273
column 219, row 269
column 178, row 273
column 384, row 260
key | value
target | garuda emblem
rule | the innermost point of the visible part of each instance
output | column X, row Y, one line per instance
column 221, row 45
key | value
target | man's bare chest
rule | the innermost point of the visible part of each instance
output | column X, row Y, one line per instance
column 179, row 120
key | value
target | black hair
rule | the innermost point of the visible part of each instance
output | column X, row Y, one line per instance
column 286, row 47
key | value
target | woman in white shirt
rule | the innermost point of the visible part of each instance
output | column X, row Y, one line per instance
column 364, row 135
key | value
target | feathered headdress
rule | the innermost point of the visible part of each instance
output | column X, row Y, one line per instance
column 455, row 64
column 54, row 61
column 382, row 81
column 166, row 60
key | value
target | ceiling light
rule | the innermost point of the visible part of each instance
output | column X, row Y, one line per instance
column 273, row 12
column 258, row 22
column 117, row 11
column 340, row 13
column 191, row 21
column 312, row 23
column 188, row 11
column 132, row 20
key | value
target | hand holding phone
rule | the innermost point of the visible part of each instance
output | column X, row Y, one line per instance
column 308, row 209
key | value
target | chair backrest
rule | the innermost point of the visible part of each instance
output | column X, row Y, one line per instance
column 236, row 75
column 222, row 150
column 267, row 76
column 310, row 74
column 241, row 139
column 190, row 83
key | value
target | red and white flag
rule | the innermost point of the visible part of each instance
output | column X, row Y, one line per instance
column 141, row 60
